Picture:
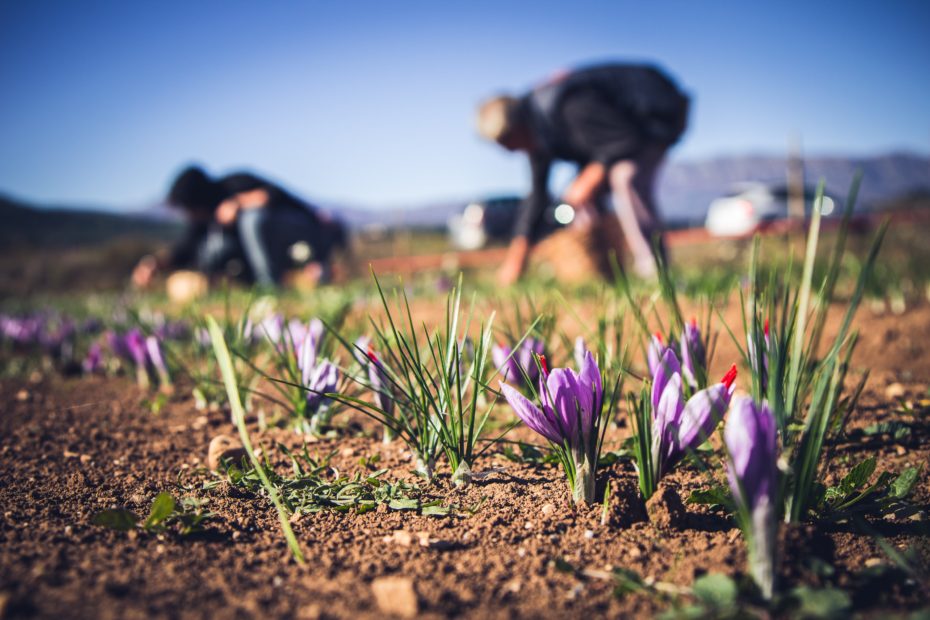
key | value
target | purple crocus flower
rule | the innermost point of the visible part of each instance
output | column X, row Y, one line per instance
column 693, row 355
column 378, row 381
column 134, row 343
column 761, row 371
column 654, row 352
column 579, row 351
column 157, row 358
column 94, row 361
column 320, row 377
column 321, row 381
column 752, row 446
column 679, row 427
column 514, row 365
column 568, row 416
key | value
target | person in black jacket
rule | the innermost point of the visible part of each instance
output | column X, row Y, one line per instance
column 617, row 122
column 243, row 226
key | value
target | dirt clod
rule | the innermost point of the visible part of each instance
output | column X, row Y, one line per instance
column 665, row 509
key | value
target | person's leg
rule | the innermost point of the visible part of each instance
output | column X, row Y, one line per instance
column 632, row 188
column 268, row 235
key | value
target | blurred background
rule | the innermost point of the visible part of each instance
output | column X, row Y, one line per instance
column 367, row 110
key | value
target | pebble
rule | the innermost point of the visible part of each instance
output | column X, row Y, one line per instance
column 548, row 509
column 589, row 534
column 223, row 447
column 22, row 395
column 873, row 562
column 396, row 596
column 528, row 525
column 894, row 391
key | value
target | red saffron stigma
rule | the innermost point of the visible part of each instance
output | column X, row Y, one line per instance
column 730, row 377
column 371, row 354
column 765, row 328
column 544, row 364
column 658, row 336
column 693, row 321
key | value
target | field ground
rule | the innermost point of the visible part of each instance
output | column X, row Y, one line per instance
column 71, row 447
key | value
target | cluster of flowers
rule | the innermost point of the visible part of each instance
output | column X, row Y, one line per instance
column 566, row 411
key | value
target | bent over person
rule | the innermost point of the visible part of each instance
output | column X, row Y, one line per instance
column 243, row 226
column 617, row 123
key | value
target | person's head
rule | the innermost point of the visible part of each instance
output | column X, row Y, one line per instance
column 504, row 120
column 194, row 192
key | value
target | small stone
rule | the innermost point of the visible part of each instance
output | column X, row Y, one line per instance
column 521, row 552
column 84, row 458
column 396, row 596
column 548, row 509
column 528, row 525
column 310, row 612
column 223, row 447
column 635, row 553
column 900, row 450
column 22, row 395
column 873, row 562
column 589, row 534
column 68, row 454
column 402, row 538
column 513, row 586
column 894, row 391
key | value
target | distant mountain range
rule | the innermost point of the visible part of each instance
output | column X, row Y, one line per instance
column 685, row 191
column 687, row 187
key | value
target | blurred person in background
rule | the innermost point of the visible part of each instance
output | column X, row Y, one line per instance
column 244, row 227
column 617, row 122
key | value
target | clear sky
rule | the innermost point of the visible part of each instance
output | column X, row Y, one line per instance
column 372, row 103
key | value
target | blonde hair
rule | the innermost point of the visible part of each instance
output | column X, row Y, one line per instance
column 497, row 118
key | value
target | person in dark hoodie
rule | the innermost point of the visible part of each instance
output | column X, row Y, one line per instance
column 243, row 226
column 616, row 122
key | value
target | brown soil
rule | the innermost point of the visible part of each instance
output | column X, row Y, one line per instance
column 72, row 447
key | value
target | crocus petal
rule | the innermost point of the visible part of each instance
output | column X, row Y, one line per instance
column 531, row 415
column 581, row 348
column 701, row 414
column 590, row 381
column 564, row 391
column 692, row 352
column 668, row 412
column 666, row 368
column 654, row 352
column 750, row 436
column 306, row 359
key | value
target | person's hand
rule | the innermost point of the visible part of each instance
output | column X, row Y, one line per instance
column 144, row 271
column 585, row 186
column 227, row 211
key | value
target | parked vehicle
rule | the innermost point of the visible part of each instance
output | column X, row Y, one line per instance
column 753, row 206
column 486, row 221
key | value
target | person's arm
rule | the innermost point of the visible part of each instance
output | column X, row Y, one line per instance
column 182, row 254
column 527, row 223
column 229, row 209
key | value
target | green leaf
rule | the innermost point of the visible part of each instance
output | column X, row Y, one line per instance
column 859, row 475
column 404, row 503
column 120, row 519
column 436, row 511
column 898, row 430
column 904, row 483
column 714, row 496
column 825, row 603
column 716, row 590
column 626, row 581
column 162, row 508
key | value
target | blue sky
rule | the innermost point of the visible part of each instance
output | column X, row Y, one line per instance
column 372, row 103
